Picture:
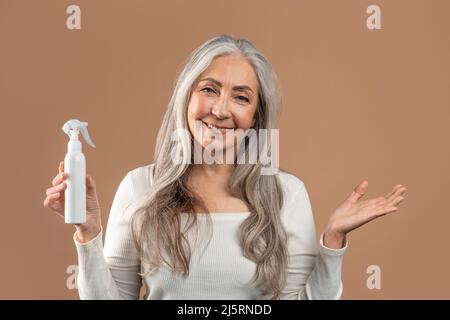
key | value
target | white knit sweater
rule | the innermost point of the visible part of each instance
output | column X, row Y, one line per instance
column 218, row 269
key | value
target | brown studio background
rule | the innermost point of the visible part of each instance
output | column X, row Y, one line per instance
column 358, row 104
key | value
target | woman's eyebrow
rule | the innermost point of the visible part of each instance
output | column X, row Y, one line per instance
column 239, row 88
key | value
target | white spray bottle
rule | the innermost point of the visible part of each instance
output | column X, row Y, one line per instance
column 75, row 167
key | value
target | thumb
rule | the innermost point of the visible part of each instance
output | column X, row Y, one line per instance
column 359, row 191
column 90, row 183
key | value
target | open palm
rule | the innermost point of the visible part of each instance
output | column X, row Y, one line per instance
column 354, row 212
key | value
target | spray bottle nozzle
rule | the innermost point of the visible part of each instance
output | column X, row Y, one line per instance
column 73, row 127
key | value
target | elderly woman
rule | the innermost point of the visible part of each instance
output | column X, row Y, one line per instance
column 216, row 230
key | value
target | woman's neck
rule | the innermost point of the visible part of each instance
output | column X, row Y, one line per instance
column 218, row 173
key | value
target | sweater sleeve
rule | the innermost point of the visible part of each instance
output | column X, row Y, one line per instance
column 313, row 273
column 112, row 271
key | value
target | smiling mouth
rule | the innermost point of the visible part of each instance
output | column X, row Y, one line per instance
column 222, row 130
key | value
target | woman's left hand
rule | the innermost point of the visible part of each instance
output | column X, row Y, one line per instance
column 353, row 213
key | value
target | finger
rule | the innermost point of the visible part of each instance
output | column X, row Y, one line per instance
column 61, row 167
column 392, row 191
column 396, row 191
column 387, row 199
column 387, row 211
column 396, row 201
column 385, row 207
column 359, row 191
column 90, row 183
column 400, row 191
column 60, row 177
column 54, row 197
column 58, row 188
column 50, row 199
column 57, row 180
column 56, row 207
column 379, row 212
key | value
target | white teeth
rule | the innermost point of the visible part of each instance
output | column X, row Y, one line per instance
column 210, row 126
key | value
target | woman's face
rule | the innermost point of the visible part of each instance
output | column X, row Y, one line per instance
column 224, row 97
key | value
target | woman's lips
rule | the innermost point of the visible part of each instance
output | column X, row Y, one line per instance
column 213, row 128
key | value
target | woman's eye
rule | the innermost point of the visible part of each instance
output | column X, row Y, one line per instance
column 243, row 98
column 211, row 90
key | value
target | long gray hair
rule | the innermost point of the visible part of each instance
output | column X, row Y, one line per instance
column 156, row 226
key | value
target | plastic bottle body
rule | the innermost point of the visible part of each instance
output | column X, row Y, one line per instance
column 75, row 193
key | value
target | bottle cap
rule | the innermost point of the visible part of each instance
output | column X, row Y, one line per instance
column 73, row 127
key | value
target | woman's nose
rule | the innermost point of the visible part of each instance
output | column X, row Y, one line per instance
column 221, row 109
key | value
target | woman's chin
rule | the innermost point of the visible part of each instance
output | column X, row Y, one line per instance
column 216, row 149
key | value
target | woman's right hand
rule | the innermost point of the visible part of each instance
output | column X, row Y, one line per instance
column 55, row 201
